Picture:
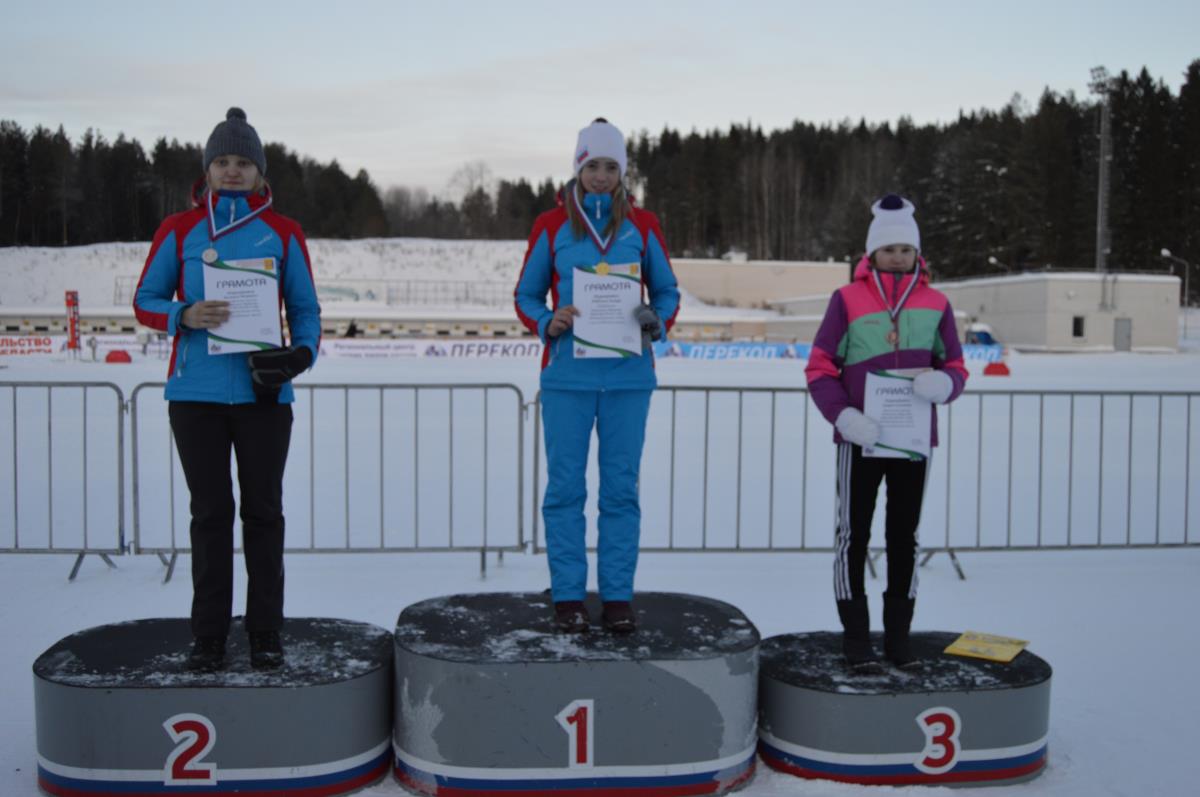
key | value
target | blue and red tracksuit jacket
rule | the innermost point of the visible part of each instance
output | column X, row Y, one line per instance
column 239, row 226
column 550, row 261
column 858, row 335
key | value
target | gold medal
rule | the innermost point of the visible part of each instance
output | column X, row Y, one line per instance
column 602, row 268
column 210, row 256
column 893, row 337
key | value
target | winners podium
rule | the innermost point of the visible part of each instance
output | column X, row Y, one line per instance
column 480, row 694
column 118, row 712
column 947, row 721
column 489, row 698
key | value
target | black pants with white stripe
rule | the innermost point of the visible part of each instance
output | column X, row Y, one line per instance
column 858, row 481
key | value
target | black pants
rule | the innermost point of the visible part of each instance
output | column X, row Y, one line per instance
column 259, row 435
column 858, row 479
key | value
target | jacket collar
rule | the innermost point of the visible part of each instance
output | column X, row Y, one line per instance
column 892, row 289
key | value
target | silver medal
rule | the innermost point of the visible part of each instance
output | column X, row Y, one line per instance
column 209, row 256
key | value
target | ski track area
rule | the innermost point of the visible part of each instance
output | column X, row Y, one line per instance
column 1117, row 626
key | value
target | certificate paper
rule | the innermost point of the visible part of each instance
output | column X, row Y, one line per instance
column 252, row 289
column 606, row 296
column 903, row 418
column 987, row 646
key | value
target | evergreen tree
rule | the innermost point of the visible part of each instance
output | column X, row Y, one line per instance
column 14, row 184
column 1185, row 242
column 1143, row 173
column 1013, row 184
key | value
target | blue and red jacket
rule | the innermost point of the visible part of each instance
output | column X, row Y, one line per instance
column 554, row 253
column 859, row 335
column 239, row 226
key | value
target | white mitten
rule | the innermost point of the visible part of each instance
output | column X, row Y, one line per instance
column 933, row 386
column 857, row 428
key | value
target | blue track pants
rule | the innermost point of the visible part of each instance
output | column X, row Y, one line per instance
column 619, row 417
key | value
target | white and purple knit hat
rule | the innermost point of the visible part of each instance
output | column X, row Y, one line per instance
column 893, row 223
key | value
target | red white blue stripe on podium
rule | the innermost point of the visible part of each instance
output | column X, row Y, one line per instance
column 322, row 780
column 895, row 769
column 675, row 780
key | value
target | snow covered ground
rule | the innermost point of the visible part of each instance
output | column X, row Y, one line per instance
column 37, row 276
column 105, row 275
column 1118, row 627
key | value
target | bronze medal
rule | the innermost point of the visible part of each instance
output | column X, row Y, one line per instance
column 893, row 337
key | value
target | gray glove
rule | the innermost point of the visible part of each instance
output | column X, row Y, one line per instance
column 650, row 323
column 857, row 428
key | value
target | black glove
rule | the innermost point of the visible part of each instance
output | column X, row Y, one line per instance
column 650, row 323
column 271, row 369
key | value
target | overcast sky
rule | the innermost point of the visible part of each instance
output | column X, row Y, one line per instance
column 411, row 91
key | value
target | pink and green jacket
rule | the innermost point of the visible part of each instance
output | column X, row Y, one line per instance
column 858, row 335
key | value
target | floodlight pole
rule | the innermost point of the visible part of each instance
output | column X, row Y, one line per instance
column 1101, row 85
column 1187, row 270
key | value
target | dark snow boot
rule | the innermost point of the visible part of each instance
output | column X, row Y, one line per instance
column 571, row 617
column 619, row 617
column 208, row 654
column 897, row 617
column 266, row 650
column 856, row 636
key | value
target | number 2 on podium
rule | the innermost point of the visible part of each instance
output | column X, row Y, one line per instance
column 578, row 720
column 194, row 736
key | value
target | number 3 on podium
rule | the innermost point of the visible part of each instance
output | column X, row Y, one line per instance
column 941, row 727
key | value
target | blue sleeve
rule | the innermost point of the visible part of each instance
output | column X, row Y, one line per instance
column 153, row 302
column 661, row 283
column 534, row 284
column 300, row 298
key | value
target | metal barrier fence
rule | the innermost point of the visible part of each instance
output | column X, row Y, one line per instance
column 389, row 467
column 61, row 480
column 372, row 467
column 1015, row 470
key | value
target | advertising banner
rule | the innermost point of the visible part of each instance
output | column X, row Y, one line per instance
column 31, row 345
column 73, row 320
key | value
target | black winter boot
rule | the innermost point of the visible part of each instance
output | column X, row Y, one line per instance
column 571, row 617
column 266, row 650
column 208, row 654
column 856, row 635
column 897, row 617
column 619, row 617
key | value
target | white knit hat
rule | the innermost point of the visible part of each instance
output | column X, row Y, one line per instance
column 893, row 224
column 599, row 140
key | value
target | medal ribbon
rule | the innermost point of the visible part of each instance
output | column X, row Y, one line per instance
column 893, row 312
column 214, row 232
column 602, row 244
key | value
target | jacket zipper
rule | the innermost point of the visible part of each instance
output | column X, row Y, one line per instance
column 187, row 339
column 896, row 318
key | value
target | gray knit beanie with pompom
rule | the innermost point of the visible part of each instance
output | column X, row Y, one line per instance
column 235, row 136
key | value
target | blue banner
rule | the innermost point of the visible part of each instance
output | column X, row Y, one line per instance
column 783, row 351
column 732, row 351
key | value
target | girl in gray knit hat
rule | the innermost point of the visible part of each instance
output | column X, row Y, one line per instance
column 228, row 394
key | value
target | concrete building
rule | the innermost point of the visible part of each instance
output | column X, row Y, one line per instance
column 757, row 283
column 1043, row 311
column 1074, row 311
